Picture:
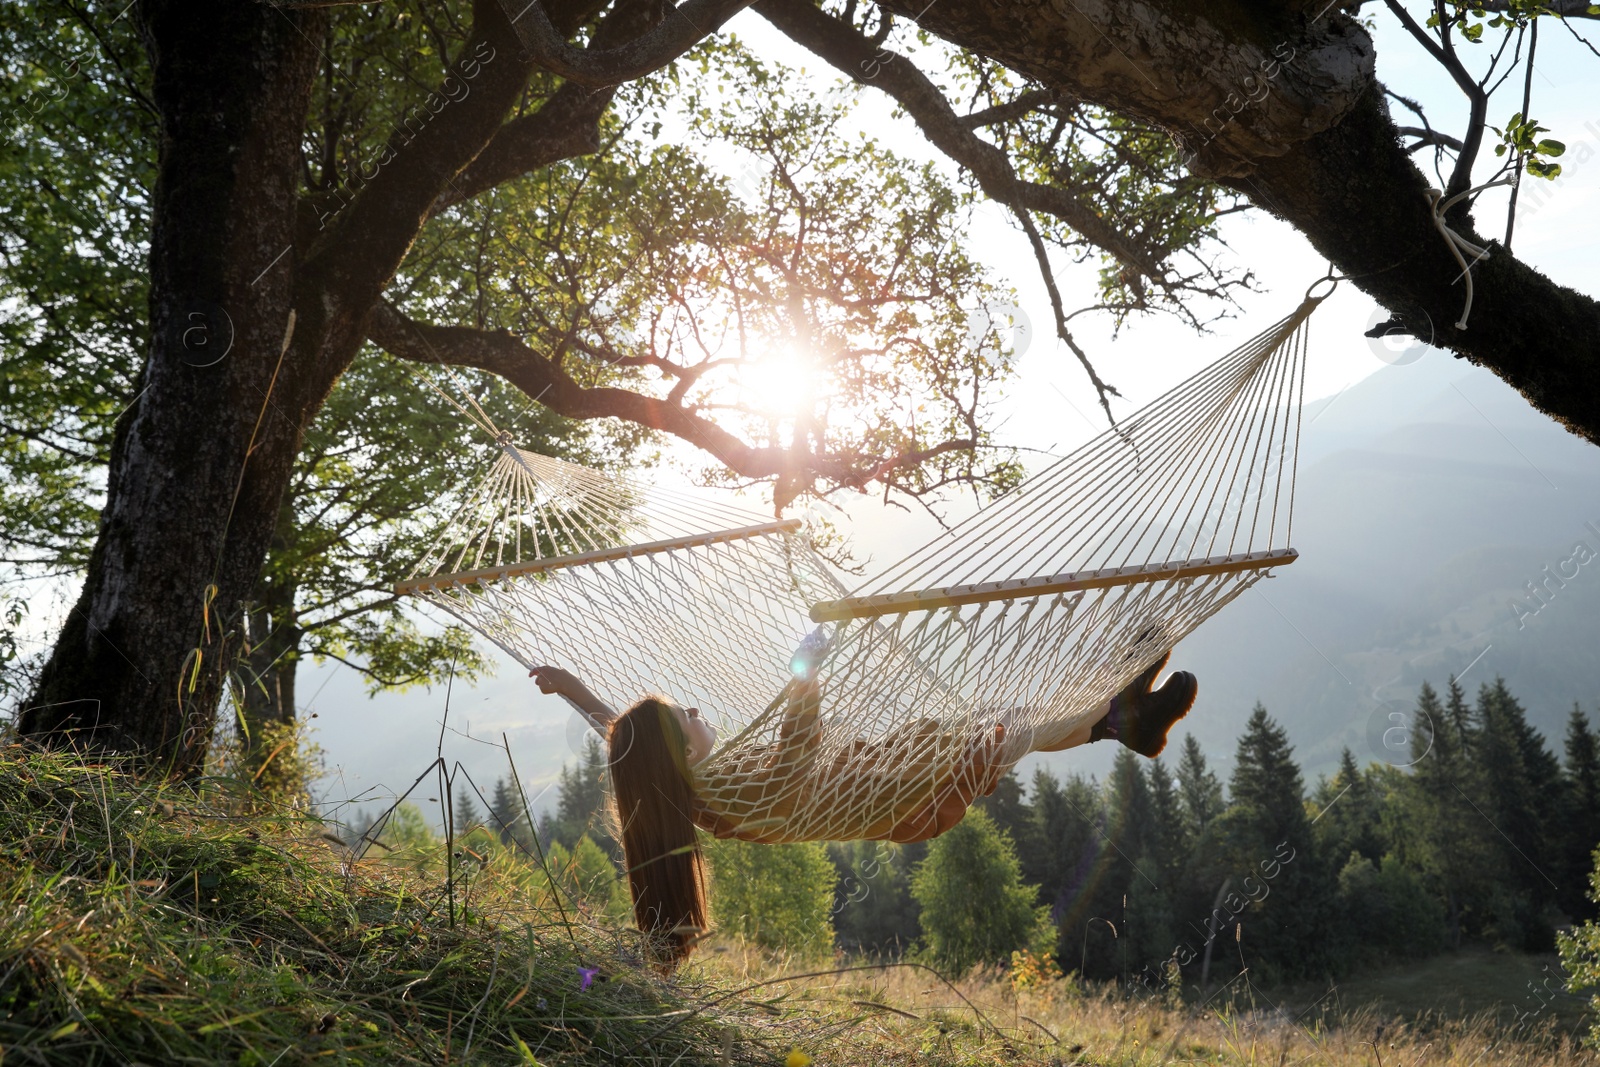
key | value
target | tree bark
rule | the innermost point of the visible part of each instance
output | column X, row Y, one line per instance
column 199, row 462
column 1279, row 101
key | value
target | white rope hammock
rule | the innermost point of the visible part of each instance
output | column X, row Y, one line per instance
column 1031, row 614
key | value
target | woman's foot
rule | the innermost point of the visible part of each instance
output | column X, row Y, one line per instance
column 1141, row 717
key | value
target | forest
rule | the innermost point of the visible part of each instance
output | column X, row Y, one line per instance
column 1486, row 837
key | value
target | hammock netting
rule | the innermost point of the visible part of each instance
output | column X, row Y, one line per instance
column 1028, row 616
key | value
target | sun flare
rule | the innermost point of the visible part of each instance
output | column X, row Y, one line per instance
column 781, row 384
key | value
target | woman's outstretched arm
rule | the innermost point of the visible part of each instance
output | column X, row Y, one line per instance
column 801, row 730
column 566, row 684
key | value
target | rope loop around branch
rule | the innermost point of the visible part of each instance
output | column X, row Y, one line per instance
column 1458, row 244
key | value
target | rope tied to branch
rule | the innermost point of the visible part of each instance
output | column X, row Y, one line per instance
column 1457, row 243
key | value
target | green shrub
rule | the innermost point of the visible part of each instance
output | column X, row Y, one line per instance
column 775, row 896
column 975, row 908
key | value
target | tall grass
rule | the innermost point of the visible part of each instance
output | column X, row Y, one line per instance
column 158, row 923
column 910, row 1014
column 150, row 923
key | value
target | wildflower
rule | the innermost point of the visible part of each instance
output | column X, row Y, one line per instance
column 796, row 1058
column 586, row 976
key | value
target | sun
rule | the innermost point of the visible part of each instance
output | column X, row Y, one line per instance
column 778, row 385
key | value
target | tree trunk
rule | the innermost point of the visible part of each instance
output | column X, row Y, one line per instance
column 270, row 659
column 199, row 462
column 257, row 306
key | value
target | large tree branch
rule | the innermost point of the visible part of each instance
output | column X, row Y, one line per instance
column 547, row 383
column 362, row 245
column 683, row 28
column 1316, row 148
column 1541, row 338
column 565, row 126
column 1233, row 81
column 854, row 54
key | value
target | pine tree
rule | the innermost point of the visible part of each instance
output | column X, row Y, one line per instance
column 1266, row 778
column 1128, row 804
column 1510, row 760
column 464, row 813
column 504, row 810
column 1011, row 812
column 1581, row 818
column 1198, row 789
column 1169, row 831
column 1141, row 860
column 580, row 801
column 1291, row 924
column 1446, row 838
column 1458, row 714
column 1348, row 815
column 1074, row 863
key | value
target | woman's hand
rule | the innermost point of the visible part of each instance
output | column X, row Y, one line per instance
column 556, row 680
column 565, row 683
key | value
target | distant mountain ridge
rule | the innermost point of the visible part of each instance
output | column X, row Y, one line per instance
column 1432, row 501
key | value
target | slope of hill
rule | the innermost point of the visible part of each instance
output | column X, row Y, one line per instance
column 1432, row 502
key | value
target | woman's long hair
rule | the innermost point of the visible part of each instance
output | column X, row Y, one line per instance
column 666, row 871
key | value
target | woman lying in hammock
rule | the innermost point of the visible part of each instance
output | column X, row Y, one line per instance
column 925, row 777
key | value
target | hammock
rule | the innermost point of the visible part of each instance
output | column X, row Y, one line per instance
column 1029, row 615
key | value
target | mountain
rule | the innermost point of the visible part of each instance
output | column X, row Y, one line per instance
column 1431, row 503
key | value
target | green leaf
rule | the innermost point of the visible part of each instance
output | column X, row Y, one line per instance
column 1550, row 147
column 528, row 1058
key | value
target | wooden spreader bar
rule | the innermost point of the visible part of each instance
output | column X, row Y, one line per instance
column 599, row 555
column 866, row 607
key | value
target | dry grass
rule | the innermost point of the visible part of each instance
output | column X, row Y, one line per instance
column 909, row 1015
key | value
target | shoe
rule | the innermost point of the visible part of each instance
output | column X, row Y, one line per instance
column 1141, row 717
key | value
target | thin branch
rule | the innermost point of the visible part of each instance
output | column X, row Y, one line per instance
column 848, row 51
column 1580, row 37
column 1042, row 256
column 1427, row 137
column 1527, row 102
column 1445, row 54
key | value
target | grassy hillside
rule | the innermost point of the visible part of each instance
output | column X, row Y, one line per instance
column 159, row 925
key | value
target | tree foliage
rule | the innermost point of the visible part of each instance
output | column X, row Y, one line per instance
column 778, row 897
column 974, row 906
